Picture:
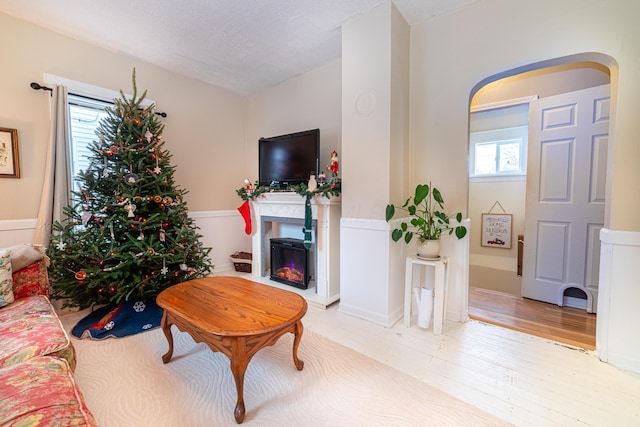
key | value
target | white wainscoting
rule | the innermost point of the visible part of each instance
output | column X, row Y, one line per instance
column 617, row 337
column 371, row 284
column 16, row 232
column 223, row 231
column 373, row 266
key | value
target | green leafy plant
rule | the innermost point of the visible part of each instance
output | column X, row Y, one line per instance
column 428, row 219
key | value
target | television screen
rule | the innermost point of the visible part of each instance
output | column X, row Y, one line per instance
column 288, row 159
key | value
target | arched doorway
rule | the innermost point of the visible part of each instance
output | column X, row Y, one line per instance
column 501, row 103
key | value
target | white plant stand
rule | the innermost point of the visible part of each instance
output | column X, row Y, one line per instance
column 441, row 276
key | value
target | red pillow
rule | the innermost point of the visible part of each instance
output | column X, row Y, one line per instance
column 31, row 280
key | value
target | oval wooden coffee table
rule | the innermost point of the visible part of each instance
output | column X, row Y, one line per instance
column 234, row 316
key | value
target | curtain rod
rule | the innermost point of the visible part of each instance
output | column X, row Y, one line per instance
column 38, row 86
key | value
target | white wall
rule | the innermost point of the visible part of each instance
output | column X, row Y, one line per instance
column 375, row 114
column 618, row 296
column 451, row 54
column 309, row 101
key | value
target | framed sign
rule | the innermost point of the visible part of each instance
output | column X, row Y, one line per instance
column 496, row 230
column 9, row 163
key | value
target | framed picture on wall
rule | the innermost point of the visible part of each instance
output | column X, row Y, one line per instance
column 9, row 162
column 496, row 230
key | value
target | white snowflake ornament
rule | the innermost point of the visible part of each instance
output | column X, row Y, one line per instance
column 139, row 306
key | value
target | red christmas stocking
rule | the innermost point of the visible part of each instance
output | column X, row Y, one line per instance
column 246, row 214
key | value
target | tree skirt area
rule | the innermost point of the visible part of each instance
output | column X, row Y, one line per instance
column 128, row 318
column 125, row 383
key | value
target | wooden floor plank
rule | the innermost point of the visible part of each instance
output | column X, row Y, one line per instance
column 567, row 325
column 524, row 379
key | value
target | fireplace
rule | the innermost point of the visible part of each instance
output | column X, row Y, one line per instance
column 290, row 262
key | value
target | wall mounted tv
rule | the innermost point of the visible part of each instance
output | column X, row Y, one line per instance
column 288, row 159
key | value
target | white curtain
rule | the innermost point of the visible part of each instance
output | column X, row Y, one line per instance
column 57, row 183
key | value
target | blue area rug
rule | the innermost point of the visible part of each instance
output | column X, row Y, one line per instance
column 128, row 318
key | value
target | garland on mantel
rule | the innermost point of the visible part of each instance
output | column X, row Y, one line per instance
column 248, row 192
column 326, row 190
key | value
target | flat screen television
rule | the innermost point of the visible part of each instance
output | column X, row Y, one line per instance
column 290, row 159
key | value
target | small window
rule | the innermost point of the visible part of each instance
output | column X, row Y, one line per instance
column 500, row 152
column 85, row 115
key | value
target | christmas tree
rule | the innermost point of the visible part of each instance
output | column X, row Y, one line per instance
column 126, row 235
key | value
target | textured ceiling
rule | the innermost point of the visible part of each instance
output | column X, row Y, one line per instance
column 241, row 45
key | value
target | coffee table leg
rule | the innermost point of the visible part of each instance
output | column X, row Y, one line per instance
column 166, row 328
column 296, row 342
column 239, row 363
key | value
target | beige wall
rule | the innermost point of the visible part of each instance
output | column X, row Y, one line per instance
column 375, row 116
column 309, row 101
column 451, row 54
column 544, row 82
column 205, row 128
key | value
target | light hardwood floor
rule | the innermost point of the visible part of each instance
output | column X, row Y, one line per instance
column 564, row 324
column 524, row 379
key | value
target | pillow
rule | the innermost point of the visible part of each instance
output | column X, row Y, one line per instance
column 24, row 255
column 6, row 286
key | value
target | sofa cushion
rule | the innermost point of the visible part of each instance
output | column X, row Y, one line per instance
column 41, row 392
column 29, row 327
column 6, row 282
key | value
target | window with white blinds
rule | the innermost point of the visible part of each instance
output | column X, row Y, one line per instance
column 85, row 115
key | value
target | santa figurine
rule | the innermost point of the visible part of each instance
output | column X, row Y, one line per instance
column 333, row 167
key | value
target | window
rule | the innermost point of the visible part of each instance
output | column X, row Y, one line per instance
column 500, row 152
column 85, row 115
column 86, row 108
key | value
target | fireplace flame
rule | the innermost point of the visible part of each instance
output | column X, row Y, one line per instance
column 291, row 274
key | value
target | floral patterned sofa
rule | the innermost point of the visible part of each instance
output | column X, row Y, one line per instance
column 37, row 358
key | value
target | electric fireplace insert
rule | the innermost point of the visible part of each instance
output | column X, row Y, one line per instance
column 290, row 262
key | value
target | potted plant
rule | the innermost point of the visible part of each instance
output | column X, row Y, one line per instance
column 428, row 221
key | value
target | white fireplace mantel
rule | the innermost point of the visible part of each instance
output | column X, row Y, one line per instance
column 289, row 207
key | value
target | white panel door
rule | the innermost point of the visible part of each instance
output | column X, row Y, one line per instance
column 566, row 179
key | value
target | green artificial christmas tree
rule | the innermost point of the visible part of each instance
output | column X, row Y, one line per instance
column 126, row 236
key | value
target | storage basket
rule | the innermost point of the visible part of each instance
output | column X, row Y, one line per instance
column 242, row 261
